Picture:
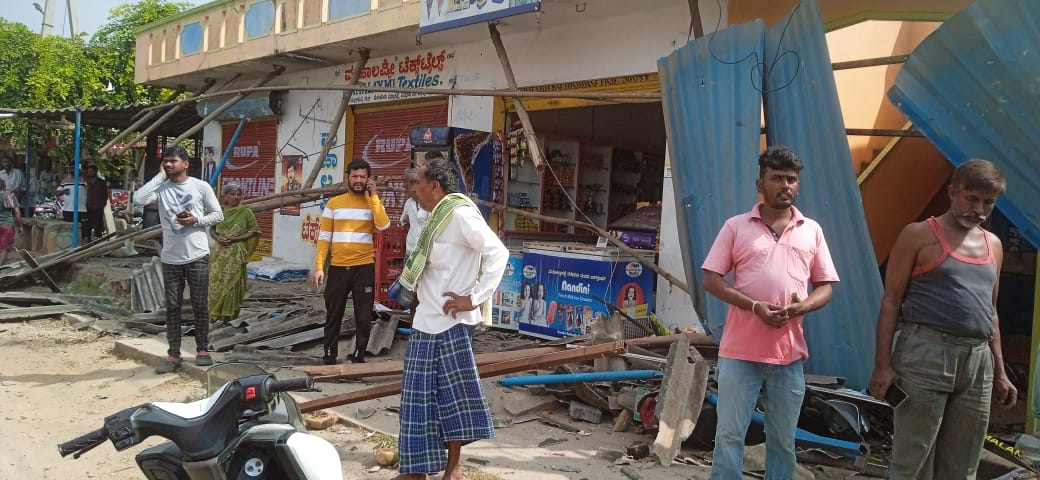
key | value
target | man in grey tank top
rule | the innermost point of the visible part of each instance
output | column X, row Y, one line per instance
column 941, row 296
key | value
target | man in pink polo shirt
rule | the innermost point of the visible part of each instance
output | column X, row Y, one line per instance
column 774, row 253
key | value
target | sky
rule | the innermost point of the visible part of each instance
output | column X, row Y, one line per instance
column 91, row 13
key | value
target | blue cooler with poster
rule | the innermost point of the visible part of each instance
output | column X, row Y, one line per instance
column 568, row 289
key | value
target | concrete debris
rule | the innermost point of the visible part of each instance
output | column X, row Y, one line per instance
column 586, row 413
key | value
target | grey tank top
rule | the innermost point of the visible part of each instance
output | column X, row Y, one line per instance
column 954, row 294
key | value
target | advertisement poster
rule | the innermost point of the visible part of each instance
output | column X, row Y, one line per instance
column 209, row 163
column 440, row 15
column 506, row 307
column 566, row 291
column 292, row 169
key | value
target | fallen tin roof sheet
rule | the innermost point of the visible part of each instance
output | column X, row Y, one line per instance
column 973, row 88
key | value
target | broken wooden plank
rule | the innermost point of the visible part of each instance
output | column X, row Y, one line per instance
column 22, row 298
column 485, row 371
column 698, row 339
column 364, row 370
column 30, row 313
column 43, row 272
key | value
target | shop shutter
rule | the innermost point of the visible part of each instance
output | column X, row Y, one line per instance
column 381, row 138
column 252, row 165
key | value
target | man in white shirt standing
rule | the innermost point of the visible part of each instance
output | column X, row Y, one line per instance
column 455, row 268
column 187, row 208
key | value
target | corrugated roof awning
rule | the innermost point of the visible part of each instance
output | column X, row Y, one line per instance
column 117, row 117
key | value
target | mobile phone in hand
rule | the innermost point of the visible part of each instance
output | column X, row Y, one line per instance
column 895, row 396
column 183, row 214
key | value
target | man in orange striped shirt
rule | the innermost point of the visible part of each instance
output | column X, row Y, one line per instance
column 348, row 225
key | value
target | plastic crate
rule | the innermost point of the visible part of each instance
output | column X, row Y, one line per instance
column 390, row 243
column 387, row 270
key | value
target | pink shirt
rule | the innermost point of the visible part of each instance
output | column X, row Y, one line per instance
column 768, row 270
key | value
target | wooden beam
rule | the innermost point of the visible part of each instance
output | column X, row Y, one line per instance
column 43, row 273
column 485, row 371
column 30, row 313
column 329, row 373
column 533, row 146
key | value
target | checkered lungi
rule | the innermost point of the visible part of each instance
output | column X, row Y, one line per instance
column 441, row 399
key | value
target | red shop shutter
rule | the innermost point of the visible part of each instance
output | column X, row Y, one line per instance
column 252, row 165
column 381, row 138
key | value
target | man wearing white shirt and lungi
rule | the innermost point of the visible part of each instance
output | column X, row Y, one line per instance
column 454, row 269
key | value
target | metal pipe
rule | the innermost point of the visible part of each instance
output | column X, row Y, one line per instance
column 870, row 62
column 75, row 181
column 344, row 102
column 842, row 447
column 166, row 116
column 582, row 377
column 227, row 152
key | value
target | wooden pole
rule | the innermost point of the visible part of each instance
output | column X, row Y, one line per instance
column 148, row 116
column 599, row 231
column 166, row 116
column 344, row 102
column 278, row 69
column 619, row 97
column 486, row 371
column 534, row 147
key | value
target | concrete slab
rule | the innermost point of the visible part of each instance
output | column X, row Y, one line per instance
column 673, row 403
column 521, row 402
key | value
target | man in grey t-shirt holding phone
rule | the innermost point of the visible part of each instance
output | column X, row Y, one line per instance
column 187, row 208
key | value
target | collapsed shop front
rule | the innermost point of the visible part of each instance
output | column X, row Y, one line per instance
column 605, row 167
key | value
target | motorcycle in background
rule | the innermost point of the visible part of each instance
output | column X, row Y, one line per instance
column 49, row 208
column 248, row 428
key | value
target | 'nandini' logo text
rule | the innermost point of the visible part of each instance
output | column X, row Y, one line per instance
column 581, row 288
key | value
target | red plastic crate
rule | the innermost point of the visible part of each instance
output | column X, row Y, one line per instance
column 387, row 270
column 390, row 242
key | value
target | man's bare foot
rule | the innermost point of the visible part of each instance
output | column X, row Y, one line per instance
column 412, row 476
column 453, row 475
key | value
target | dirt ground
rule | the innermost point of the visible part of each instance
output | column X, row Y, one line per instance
column 57, row 383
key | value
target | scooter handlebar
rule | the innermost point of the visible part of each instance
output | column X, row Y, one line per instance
column 83, row 442
column 301, row 384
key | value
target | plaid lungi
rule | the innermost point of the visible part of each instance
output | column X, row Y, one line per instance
column 441, row 399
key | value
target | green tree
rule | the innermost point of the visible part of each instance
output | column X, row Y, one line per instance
column 114, row 45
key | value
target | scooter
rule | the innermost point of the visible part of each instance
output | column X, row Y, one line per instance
column 248, row 428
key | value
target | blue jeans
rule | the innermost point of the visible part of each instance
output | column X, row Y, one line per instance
column 782, row 388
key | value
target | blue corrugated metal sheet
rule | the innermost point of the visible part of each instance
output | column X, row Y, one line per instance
column 973, row 88
column 712, row 88
column 802, row 111
column 712, row 110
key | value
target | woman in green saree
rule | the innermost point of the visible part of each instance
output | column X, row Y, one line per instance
column 237, row 237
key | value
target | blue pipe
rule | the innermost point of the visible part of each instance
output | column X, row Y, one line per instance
column 849, row 449
column 75, row 182
column 26, row 211
column 581, row 377
column 227, row 153
column 404, row 331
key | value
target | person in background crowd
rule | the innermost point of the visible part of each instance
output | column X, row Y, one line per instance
column 70, row 192
column 10, row 221
column 775, row 253
column 13, row 177
column 237, row 236
column 187, row 208
column 348, row 224
column 454, row 270
column 941, row 288
column 97, row 199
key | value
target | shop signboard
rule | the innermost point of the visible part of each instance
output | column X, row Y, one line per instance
column 506, row 307
column 567, row 291
column 443, row 15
